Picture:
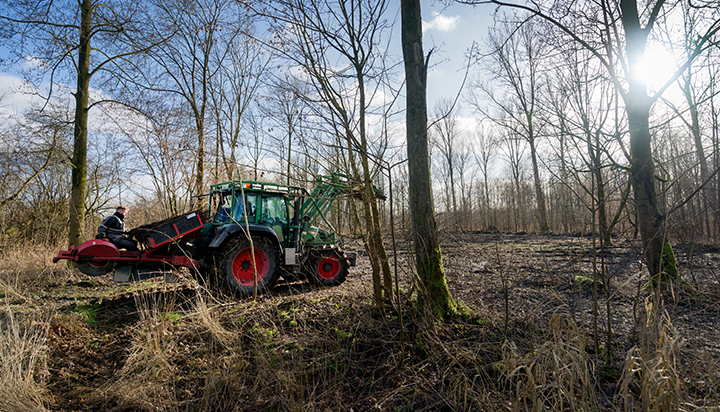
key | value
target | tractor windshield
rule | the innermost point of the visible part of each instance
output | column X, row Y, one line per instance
column 274, row 213
column 249, row 206
column 232, row 208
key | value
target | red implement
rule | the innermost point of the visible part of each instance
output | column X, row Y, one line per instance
column 165, row 247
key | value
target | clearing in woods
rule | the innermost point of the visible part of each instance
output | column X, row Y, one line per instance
column 157, row 346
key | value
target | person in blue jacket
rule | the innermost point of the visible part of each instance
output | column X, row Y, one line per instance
column 113, row 229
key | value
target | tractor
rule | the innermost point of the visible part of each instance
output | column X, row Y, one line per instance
column 256, row 232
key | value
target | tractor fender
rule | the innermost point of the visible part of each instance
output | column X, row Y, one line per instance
column 230, row 231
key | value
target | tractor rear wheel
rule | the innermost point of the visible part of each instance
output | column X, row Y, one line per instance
column 327, row 267
column 236, row 267
column 95, row 268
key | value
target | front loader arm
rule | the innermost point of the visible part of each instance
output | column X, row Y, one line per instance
column 328, row 188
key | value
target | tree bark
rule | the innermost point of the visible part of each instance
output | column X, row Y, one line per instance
column 539, row 195
column 79, row 159
column 427, row 249
column 686, row 87
column 200, row 167
column 642, row 168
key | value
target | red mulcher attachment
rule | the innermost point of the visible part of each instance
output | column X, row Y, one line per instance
column 163, row 250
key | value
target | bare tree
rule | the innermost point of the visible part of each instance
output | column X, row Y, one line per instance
column 515, row 69
column 33, row 193
column 427, row 249
column 444, row 137
column 514, row 148
column 337, row 45
column 233, row 90
column 163, row 142
column 580, row 104
column 617, row 35
column 206, row 33
column 465, row 177
column 485, row 145
column 83, row 40
column 257, row 145
column 285, row 108
column 695, row 86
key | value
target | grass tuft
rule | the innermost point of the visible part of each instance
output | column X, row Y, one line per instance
column 557, row 376
column 650, row 376
column 146, row 381
column 23, row 353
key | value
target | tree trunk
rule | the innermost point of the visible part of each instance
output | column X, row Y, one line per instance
column 542, row 212
column 374, row 222
column 699, row 151
column 594, row 151
column 518, row 204
column 716, row 163
column 486, row 190
column 79, row 159
column 200, row 124
column 427, row 249
column 453, row 197
column 289, row 154
column 642, row 168
column 200, row 168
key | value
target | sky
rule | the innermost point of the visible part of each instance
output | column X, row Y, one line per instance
column 447, row 30
column 451, row 32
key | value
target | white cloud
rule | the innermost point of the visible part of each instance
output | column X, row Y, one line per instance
column 441, row 23
column 15, row 95
column 31, row 62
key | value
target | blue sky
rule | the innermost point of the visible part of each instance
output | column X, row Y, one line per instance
column 449, row 30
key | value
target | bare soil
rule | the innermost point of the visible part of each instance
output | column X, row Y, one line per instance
column 153, row 346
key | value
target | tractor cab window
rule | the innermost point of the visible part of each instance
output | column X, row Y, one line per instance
column 233, row 208
column 223, row 202
column 249, row 206
column 274, row 213
column 274, row 210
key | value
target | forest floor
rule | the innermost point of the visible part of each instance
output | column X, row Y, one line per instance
column 527, row 339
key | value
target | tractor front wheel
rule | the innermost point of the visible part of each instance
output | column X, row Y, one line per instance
column 241, row 272
column 327, row 267
column 93, row 268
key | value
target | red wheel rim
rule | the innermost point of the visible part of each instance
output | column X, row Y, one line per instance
column 328, row 267
column 242, row 266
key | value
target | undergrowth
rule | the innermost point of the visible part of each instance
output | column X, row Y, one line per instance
column 23, row 350
column 179, row 348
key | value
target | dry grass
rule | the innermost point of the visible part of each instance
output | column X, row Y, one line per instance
column 163, row 347
column 557, row 376
column 146, row 381
column 208, row 316
column 651, row 376
column 23, row 352
column 22, row 267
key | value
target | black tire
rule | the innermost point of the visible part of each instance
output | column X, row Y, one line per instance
column 93, row 268
column 327, row 267
column 234, row 266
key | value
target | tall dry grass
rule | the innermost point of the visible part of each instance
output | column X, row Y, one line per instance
column 23, row 335
column 558, row 376
column 22, row 266
column 651, row 375
column 23, row 351
column 146, row 381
